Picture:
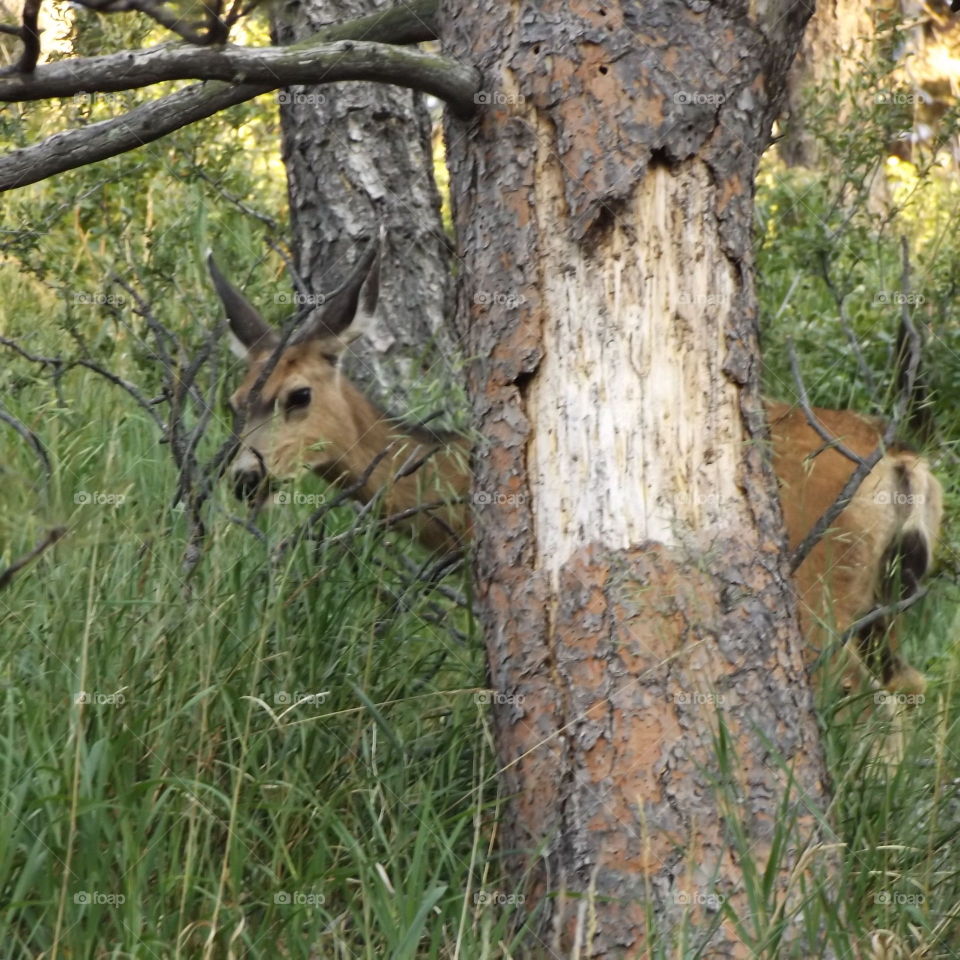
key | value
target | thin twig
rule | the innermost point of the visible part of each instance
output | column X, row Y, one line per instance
column 32, row 439
column 879, row 613
column 6, row 577
column 864, row 464
column 828, row 438
column 386, row 523
column 845, row 325
column 306, row 528
column 244, row 208
column 142, row 401
column 32, row 357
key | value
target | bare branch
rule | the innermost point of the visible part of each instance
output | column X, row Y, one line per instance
column 841, row 301
column 156, row 11
column 345, row 494
column 32, row 357
column 218, row 28
column 29, row 33
column 881, row 613
column 906, row 383
column 410, row 23
column 275, row 66
column 244, row 208
column 394, row 519
column 61, row 366
column 825, row 520
column 142, row 401
column 32, row 439
column 822, row 432
column 6, row 576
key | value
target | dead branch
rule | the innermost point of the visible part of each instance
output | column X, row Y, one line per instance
column 6, row 576
column 880, row 613
column 394, row 519
column 60, row 366
column 142, row 401
column 31, row 438
column 244, row 208
column 156, row 11
column 826, row 519
column 29, row 33
column 32, row 357
column 306, row 529
column 906, row 384
column 824, row 434
column 410, row 23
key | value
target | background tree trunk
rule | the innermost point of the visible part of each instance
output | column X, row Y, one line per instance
column 629, row 540
column 836, row 42
column 357, row 154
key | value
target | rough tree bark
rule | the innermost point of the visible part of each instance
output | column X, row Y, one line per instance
column 357, row 154
column 629, row 555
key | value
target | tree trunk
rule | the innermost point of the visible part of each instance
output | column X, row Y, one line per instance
column 629, row 554
column 837, row 41
column 358, row 154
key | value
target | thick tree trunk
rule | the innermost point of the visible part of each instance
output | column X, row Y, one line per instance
column 358, row 154
column 629, row 555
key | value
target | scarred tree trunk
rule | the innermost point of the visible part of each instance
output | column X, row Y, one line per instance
column 357, row 154
column 629, row 546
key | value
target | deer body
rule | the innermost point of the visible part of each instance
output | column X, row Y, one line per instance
column 307, row 414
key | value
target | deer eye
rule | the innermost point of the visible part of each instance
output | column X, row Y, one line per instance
column 297, row 399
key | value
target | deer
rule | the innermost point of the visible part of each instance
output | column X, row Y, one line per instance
column 307, row 415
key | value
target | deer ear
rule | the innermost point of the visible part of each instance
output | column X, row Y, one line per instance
column 246, row 324
column 369, row 292
column 348, row 311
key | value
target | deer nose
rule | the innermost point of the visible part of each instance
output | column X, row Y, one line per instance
column 248, row 484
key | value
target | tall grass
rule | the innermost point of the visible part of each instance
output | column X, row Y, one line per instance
column 292, row 757
column 284, row 758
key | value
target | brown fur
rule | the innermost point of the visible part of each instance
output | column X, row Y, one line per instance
column 876, row 552
column 843, row 578
column 341, row 433
column 846, row 574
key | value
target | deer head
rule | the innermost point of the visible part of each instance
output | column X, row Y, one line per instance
column 308, row 415
column 305, row 414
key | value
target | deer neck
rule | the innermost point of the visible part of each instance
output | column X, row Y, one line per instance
column 381, row 454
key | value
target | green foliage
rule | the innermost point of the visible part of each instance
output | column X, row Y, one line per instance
column 289, row 758
column 830, row 279
column 287, row 752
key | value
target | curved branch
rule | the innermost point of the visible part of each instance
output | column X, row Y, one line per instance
column 272, row 66
column 31, row 438
column 144, row 124
column 53, row 535
column 411, row 23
